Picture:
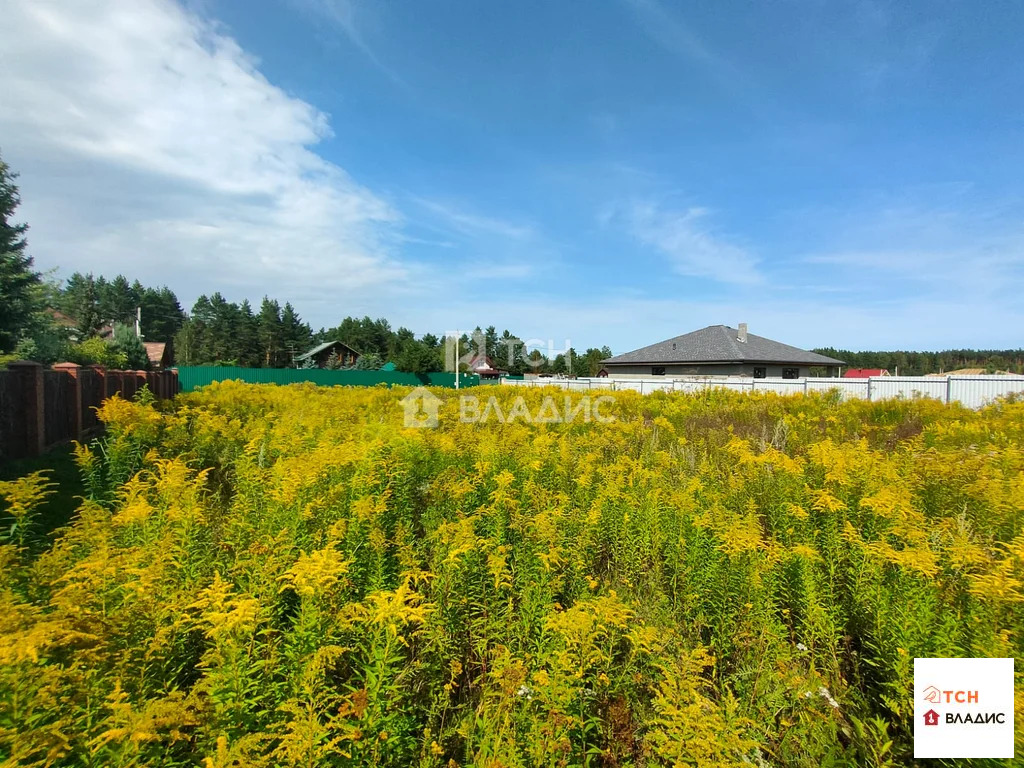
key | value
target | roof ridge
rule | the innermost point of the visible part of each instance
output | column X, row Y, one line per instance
column 733, row 343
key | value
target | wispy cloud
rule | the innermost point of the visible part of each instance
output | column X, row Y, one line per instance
column 150, row 143
column 344, row 15
column 692, row 248
column 474, row 224
column 672, row 33
column 947, row 242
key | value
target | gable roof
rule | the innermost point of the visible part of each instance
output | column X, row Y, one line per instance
column 155, row 351
column 718, row 344
column 483, row 364
column 326, row 345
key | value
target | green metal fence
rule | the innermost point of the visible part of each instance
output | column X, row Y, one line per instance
column 190, row 377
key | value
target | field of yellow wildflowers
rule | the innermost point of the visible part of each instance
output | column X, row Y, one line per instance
column 286, row 576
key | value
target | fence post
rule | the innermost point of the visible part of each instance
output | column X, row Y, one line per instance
column 73, row 370
column 30, row 382
column 101, row 375
column 949, row 381
column 869, row 389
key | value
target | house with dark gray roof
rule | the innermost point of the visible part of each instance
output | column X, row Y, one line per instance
column 320, row 356
column 719, row 350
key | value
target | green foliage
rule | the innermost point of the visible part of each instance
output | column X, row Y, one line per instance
column 81, row 301
column 219, row 331
column 96, row 351
column 22, row 498
column 126, row 343
column 94, row 302
column 19, row 282
column 417, row 357
column 369, row 361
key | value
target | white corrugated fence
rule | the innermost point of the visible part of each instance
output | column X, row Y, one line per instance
column 971, row 391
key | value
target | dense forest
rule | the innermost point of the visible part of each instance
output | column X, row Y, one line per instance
column 95, row 319
column 921, row 363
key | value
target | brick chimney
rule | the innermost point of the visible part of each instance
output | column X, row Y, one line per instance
column 741, row 334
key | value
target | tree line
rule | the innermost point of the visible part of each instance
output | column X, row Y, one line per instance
column 922, row 363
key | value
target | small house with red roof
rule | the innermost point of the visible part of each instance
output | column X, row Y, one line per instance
column 864, row 373
column 484, row 367
column 159, row 353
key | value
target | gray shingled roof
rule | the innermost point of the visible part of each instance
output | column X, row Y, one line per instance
column 718, row 344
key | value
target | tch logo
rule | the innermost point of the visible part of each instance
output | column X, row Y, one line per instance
column 933, row 695
column 963, row 708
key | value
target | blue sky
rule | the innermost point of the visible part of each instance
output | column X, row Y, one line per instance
column 606, row 172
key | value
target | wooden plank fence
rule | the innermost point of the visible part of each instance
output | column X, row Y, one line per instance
column 42, row 407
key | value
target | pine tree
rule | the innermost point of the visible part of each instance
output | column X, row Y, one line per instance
column 18, row 280
column 270, row 332
column 247, row 342
column 162, row 315
column 295, row 335
column 80, row 300
column 119, row 300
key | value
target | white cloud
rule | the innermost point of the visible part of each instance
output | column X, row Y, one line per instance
column 148, row 142
column 692, row 248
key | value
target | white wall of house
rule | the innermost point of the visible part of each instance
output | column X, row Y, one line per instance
column 771, row 370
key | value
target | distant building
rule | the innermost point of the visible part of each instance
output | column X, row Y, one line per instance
column 484, row 367
column 321, row 354
column 719, row 350
column 159, row 353
column 864, row 373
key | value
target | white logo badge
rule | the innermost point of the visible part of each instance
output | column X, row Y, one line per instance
column 420, row 408
column 963, row 708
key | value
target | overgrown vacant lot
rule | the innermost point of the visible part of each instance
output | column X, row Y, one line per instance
column 286, row 576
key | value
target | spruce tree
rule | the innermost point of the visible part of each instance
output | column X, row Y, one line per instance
column 18, row 280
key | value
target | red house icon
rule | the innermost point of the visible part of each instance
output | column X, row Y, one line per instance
column 931, row 717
